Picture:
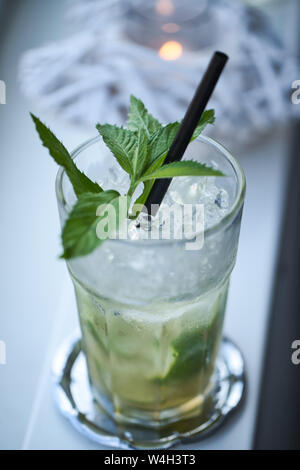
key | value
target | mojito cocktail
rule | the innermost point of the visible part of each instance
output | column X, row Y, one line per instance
column 151, row 289
column 151, row 311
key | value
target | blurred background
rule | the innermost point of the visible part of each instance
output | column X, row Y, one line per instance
column 75, row 63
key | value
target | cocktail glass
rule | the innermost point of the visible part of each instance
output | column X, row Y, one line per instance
column 151, row 312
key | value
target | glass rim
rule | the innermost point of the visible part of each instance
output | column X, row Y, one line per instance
column 138, row 6
column 217, row 227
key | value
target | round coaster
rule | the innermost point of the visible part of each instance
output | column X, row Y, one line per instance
column 75, row 401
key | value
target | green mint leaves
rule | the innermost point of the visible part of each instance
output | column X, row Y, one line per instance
column 129, row 148
column 139, row 118
column 83, row 230
column 80, row 182
column 140, row 149
column 121, row 142
column 184, row 168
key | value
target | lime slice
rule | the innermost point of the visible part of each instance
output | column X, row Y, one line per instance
column 193, row 350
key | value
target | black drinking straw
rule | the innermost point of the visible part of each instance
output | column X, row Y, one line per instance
column 188, row 126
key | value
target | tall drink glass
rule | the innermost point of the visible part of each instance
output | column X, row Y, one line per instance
column 151, row 312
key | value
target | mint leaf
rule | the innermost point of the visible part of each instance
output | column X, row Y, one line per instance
column 80, row 182
column 182, row 168
column 208, row 117
column 79, row 234
column 185, row 168
column 121, row 142
column 140, row 154
column 129, row 148
column 162, row 141
column 140, row 118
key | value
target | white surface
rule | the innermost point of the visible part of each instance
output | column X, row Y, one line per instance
column 37, row 305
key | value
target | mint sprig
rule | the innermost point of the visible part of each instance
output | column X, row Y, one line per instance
column 141, row 150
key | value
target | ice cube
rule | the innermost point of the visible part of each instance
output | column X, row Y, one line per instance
column 222, row 200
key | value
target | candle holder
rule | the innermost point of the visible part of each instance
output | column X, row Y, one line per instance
column 126, row 46
column 170, row 26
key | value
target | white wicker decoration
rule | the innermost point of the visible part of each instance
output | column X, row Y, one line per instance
column 88, row 77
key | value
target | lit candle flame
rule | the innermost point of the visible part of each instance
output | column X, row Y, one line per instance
column 164, row 7
column 171, row 50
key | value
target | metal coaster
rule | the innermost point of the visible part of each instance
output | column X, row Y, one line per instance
column 75, row 401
